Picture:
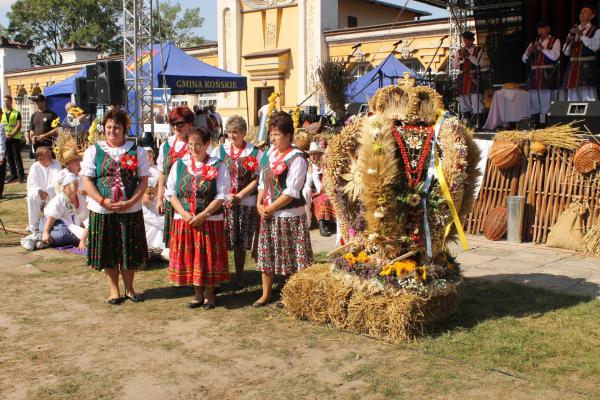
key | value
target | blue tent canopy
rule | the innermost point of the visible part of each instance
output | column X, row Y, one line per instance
column 183, row 73
column 59, row 95
column 386, row 73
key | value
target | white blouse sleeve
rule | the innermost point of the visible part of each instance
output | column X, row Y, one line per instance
column 55, row 208
column 160, row 160
column 259, row 156
column 296, row 177
column 317, row 180
column 223, row 182
column 592, row 43
column 33, row 185
column 215, row 153
column 171, row 182
column 143, row 168
column 88, row 164
column 261, row 179
column 554, row 52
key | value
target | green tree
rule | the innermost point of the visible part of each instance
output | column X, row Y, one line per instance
column 52, row 24
column 177, row 25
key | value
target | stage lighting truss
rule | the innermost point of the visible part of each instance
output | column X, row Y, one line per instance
column 137, row 54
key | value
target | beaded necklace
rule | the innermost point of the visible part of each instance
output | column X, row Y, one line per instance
column 177, row 154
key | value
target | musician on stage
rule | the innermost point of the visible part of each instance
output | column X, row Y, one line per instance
column 582, row 44
column 542, row 55
column 467, row 59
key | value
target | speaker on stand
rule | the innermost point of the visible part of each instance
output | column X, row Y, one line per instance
column 110, row 83
column 82, row 97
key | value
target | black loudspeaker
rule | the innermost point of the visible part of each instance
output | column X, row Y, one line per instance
column 81, row 96
column 91, row 72
column 587, row 113
column 110, row 83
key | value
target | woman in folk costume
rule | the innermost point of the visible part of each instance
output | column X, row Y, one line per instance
column 197, row 187
column 283, row 242
column 241, row 217
column 66, row 215
column 175, row 148
column 115, row 176
column 315, row 195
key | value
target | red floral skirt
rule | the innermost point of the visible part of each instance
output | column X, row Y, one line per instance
column 322, row 208
column 198, row 256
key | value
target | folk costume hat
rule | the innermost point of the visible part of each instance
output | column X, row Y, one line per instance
column 468, row 35
column 315, row 148
column 66, row 148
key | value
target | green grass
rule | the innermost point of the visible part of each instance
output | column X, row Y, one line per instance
column 506, row 341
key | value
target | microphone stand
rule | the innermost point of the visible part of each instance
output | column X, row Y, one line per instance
column 428, row 69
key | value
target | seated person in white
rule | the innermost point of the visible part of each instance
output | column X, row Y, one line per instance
column 152, row 167
column 40, row 185
column 66, row 216
column 153, row 221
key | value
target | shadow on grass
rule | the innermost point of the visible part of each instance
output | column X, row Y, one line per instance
column 499, row 296
column 228, row 295
column 14, row 196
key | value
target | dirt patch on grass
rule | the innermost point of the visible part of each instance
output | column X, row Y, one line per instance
column 59, row 340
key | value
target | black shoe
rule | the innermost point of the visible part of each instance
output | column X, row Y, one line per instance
column 259, row 304
column 22, row 180
column 195, row 304
column 323, row 229
column 11, row 179
column 116, row 301
column 209, row 306
column 136, row 298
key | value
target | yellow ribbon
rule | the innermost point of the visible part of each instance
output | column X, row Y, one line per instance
column 455, row 218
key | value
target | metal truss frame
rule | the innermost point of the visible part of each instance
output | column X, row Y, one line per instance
column 137, row 59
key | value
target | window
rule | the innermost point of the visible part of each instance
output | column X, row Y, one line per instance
column 361, row 69
column 352, row 21
column 207, row 99
column 178, row 101
column 415, row 65
column 25, row 108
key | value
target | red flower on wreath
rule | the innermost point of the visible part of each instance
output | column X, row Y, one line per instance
column 251, row 163
column 279, row 168
column 129, row 162
column 209, row 172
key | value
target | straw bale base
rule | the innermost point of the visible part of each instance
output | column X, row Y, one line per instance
column 317, row 294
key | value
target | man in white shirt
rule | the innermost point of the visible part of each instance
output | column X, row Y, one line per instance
column 467, row 60
column 542, row 55
column 40, row 185
column 581, row 77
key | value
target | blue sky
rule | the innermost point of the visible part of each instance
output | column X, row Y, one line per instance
column 208, row 11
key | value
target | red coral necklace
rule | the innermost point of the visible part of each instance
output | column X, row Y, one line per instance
column 177, row 154
column 408, row 168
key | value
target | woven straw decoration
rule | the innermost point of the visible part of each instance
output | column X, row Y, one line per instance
column 587, row 158
column 495, row 224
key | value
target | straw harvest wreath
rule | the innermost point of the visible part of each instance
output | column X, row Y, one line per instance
column 400, row 179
